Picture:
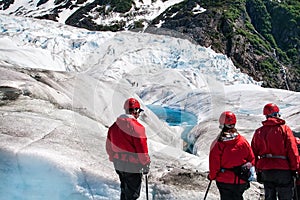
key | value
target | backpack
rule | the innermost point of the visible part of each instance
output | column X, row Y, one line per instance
column 243, row 172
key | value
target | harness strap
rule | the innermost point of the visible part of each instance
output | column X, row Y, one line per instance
column 225, row 169
column 232, row 170
column 269, row 155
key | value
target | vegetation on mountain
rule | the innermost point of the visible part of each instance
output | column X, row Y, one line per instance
column 262, row 37
column 121, row 6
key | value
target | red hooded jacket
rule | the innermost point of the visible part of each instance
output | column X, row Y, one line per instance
column 229, row 154
column 298, row 170
column 276, row 139
column 127, row 141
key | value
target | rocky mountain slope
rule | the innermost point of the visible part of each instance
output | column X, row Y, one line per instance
column 262, row 37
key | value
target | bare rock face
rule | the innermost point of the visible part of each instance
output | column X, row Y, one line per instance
column 9, row 93
column 237, row 30
column 5, row 4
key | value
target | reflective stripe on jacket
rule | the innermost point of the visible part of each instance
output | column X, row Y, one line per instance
column 127, row 141
column 275, row 138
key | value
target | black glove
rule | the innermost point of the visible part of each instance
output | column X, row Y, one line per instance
column 145, row 169
column 295, row 174
column 259, row 177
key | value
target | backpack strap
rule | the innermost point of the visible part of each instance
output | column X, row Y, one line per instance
column 235, row 175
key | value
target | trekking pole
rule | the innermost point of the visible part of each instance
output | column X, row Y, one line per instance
column 146, row 179
column 295, row 188
column 207, row 189
column 86, row 182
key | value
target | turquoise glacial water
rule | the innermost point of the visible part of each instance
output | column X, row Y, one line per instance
column 176, row 117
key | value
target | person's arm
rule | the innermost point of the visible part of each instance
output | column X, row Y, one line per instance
column 292, row 149
column 250, row 157
column 140, row 144
column 214, row 161
column 108, row 146
column 254, row 149
column 142, row 150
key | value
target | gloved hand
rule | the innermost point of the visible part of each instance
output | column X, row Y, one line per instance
column 253, row 174
column 145, row 169
column 295, row 174
column 259, row 177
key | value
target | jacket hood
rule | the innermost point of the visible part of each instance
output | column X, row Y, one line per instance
column 125, row 116
column 272, row 121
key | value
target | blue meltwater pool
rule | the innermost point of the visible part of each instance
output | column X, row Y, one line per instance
column 176, row 117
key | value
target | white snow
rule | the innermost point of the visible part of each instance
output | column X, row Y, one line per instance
column 198, row 9
column 142, row 10
column 30, row 9
column 73, row 84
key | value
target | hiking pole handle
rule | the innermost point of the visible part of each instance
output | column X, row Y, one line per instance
column 207, row 189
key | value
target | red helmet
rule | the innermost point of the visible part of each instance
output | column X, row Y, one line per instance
column 227, row 117
column 270, row 108
column 131, row 103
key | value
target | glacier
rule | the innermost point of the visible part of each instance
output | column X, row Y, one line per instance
column 61, row 88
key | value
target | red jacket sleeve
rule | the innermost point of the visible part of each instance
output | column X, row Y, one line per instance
column 251, row 157
column 140, row 143
column 292, row 149
column 108, row 145
column 214, row 160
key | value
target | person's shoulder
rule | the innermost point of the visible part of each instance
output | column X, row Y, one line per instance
column 287, row 129
column 258, row 130
column 242, row 139
column 137, row 123
column 286, row 126
column 217, row 145
column 113, row 124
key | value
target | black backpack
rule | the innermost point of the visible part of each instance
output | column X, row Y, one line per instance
column 243, row 172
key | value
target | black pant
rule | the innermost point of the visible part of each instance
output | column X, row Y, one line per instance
column 278, row 183
column 130, row 185
column 298, row 193
column 232, row 191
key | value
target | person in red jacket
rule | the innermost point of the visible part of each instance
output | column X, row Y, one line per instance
column 126, row 146
column 276, row 153
column 297, row 189
column 229, row 151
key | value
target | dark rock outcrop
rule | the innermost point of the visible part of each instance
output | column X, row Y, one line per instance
column 251, row 37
